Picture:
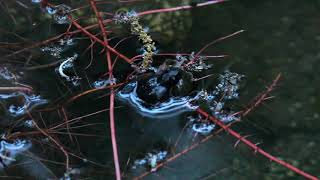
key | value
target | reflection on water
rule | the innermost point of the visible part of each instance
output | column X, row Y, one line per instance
column 19, row 103
column 171, row 107
column 9, row 150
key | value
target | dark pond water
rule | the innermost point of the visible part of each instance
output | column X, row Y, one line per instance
column 279, row 37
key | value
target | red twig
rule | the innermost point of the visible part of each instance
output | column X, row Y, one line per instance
column 112, row 93
column 211, row 43
column 243, row 139
column 81, row 29
column 24, row 89
column 54, row 141
column 255, row 147
column 260, row 98
column 77, row 25
column 172, row 158
column 65, row 117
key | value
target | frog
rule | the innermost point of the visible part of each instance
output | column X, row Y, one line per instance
column 158, row 87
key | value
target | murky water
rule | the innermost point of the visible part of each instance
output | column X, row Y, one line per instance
column 154, row 113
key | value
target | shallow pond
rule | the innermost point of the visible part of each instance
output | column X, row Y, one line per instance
column 154, row 111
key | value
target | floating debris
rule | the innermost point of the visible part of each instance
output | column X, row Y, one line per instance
column 229, row 85
column 66, row 41
column 200, row 125
column 206, row 95
column 53, row 51
column 151, row 160
column 125, row 17
column 203, row 128
column 56, row 49
column 226, row 89
column 71, row 173
column 6, row 74
column 226, row 118
column 192, row 63
column 29, row 123
column 197, row 64
column 9, row 150
column 19, row 103
column 51, row 10
column 69, row 64
column 103, row 83
column 61, row 15
column 59, row 12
